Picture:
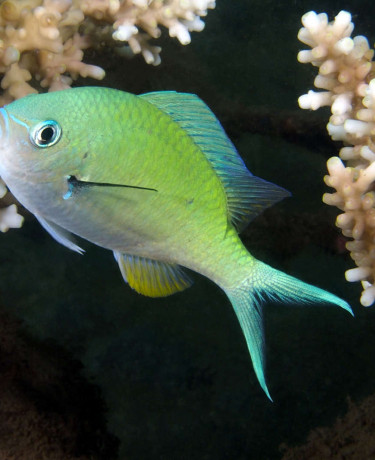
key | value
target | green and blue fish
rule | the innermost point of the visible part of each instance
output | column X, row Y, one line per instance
column 155, row 179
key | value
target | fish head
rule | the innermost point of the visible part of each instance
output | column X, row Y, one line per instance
column 43, row 140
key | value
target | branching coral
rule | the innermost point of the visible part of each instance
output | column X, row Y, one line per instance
column 42, row 42
column 9, row 218
column 347, row 74
column 44, row 39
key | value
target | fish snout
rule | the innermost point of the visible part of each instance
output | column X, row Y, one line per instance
column 4, row 140
column 4, row 126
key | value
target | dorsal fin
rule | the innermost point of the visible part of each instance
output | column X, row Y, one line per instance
column 152, row 277
column 247, row 195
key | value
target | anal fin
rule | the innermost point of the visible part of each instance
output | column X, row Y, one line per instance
column 152, row 278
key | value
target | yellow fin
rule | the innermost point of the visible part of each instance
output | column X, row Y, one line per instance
column 152, row 277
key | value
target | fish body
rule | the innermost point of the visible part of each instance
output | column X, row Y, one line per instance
column 149, row 224
column 154, row 179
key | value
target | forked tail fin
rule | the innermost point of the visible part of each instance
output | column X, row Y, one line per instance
column 267, row 282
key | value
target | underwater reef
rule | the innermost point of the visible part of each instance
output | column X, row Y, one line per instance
column 351, row 437
column 175, row 373
column 347, row 76
column 47, row 409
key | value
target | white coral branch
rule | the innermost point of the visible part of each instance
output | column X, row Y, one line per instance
column 347, row 74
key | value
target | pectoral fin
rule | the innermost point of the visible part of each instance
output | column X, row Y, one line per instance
column 61, row 235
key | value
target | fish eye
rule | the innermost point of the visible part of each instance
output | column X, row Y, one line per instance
column 45, row 134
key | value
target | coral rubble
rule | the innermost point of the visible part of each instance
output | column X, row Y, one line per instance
column 347, row 74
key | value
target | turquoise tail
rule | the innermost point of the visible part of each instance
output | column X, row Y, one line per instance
column 267, row 282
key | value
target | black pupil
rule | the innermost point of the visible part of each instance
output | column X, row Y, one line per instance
column 46, row 135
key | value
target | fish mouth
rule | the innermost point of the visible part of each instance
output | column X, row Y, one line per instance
column 4, row 126
column 6, row 162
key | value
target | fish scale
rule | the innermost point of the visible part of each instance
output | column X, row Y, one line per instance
column 155, row 179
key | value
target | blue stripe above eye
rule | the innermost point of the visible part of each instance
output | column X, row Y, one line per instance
column 19, row 121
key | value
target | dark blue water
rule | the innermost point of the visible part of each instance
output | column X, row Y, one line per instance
column 175, row 372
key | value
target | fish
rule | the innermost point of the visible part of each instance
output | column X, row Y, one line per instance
column 155, row 179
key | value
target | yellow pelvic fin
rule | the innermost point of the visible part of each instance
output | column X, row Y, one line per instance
column 152, row 278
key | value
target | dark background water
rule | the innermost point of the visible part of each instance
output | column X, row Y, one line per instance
column 175, row 372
